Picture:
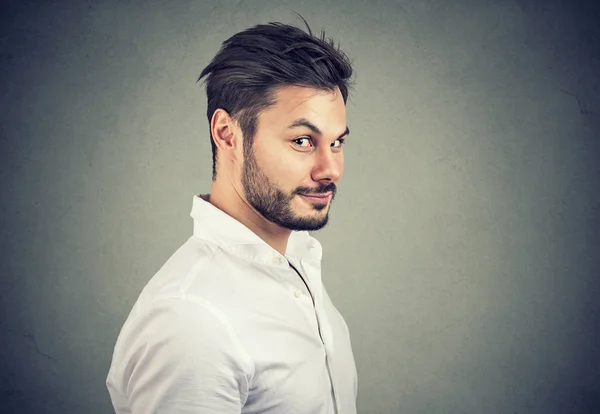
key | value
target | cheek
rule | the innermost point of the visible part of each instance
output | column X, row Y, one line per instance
column 290, row 172
column 341, row 165
column 283, row 170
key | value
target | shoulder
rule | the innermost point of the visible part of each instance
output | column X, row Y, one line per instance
column 179, row 350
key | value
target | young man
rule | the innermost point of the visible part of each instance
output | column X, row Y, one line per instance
column 238, row 320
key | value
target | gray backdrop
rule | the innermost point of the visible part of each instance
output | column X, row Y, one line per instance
column 463, row 247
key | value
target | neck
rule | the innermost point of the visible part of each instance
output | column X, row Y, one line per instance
column 230, row 201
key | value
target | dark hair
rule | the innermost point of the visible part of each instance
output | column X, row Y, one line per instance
column 246, row 72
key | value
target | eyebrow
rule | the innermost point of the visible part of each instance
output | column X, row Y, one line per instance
column 303, row 122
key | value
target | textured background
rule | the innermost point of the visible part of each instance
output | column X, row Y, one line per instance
column 463, row 247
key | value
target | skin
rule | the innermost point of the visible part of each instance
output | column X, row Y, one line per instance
column 261, row 188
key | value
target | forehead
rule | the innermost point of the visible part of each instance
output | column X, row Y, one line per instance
column 325, row 109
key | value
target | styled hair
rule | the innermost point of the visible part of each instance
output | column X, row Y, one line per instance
column 251, row 65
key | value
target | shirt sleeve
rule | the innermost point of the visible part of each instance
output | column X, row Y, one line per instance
column 181, row 356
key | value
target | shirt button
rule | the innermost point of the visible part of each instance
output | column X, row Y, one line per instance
column 298, row 293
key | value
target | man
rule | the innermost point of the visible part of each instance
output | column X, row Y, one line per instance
column 238, row 320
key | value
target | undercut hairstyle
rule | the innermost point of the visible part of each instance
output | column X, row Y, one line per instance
column 253, row 64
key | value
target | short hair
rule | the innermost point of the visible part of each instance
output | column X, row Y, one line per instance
column 251, row 65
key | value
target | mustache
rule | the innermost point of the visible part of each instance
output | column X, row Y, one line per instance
column 331, row 188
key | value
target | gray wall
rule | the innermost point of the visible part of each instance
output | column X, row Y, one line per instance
column 463, row 248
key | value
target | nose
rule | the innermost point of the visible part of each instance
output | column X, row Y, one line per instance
column 329, row 166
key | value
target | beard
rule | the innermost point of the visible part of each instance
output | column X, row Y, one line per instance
column 274, row 204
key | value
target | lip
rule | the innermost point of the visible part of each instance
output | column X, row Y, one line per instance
column 319, row 199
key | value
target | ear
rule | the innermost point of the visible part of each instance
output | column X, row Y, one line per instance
column 225, row 134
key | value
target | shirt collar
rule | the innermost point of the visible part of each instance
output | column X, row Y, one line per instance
column 213, row 224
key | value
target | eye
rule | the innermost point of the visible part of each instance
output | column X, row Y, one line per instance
column 300, row 139
column 341, row 141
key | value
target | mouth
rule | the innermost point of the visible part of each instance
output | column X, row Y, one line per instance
column 318, row 198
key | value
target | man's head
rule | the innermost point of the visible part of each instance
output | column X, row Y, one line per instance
column 282, row 93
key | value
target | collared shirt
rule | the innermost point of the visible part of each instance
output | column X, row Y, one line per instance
column 228, row 326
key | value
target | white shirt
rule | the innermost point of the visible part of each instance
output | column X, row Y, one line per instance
column 227, row 326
